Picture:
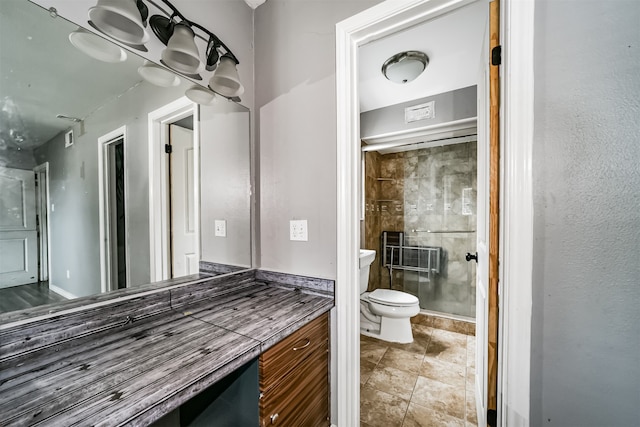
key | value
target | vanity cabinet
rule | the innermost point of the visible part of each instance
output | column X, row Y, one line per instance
column 294, row 378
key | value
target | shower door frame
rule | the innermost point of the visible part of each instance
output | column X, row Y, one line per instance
column 516, row 230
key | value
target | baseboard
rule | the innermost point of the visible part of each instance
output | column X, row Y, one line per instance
column 62, row 292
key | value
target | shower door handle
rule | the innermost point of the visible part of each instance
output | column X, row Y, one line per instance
column 469, row 257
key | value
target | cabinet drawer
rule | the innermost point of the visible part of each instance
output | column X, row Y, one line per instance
column 302, row 398
column 276, row 362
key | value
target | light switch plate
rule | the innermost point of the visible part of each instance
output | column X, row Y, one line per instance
column 298, row 230
column 221, row 228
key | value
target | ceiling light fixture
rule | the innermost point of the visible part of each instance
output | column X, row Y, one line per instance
column 225, row 79
column 157, row 75
column 200, row 95
column 121, row 20
column 405, row 66
column 126, row 21
column 181, row 53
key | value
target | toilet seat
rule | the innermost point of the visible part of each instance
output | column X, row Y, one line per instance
column 393, row 298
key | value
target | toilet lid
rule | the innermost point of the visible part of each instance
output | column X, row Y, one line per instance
column 396, row 298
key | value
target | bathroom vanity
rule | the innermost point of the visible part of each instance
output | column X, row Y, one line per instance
column 133, row 359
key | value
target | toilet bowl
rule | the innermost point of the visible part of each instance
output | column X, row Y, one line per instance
column 384, row 313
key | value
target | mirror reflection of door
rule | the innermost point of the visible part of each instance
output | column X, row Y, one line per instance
column 18, row 233
column 184, row 260
column 42, row 219
column 114, row 212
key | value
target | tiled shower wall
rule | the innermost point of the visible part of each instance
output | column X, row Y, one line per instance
column 384, row 210
column 372, row 228
column 430, row 195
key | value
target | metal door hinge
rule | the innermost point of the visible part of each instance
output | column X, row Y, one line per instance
column 492, row 418
column 496, row 55
column 167, row 148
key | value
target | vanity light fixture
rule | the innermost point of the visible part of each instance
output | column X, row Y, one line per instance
column 157, row 75
column 200, row 95
column 126, row 21
column 121, row 20
column 405, row 66
column 181, row 53
column 225, row 79
column 96, row 47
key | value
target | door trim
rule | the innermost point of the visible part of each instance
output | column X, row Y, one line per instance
column 45, row 167
column 103, row 197
column 517, row 119
column 159, row 233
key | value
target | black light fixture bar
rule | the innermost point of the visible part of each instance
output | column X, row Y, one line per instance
column 163, row 28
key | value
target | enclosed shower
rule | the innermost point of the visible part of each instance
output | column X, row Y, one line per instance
column 420, row 216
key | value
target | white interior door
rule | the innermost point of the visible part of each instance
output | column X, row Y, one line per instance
column 482, row 244
column 18, row 233
column 184, row 254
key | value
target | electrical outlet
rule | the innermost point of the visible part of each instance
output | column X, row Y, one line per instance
column 220, row 228
column 298, row 230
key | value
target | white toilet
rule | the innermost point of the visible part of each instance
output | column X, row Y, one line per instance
column 384, row 313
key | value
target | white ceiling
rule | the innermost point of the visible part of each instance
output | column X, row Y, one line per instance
column 42, row 75
column 452, row 42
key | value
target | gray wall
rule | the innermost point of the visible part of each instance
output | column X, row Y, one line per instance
column 450, row 106
column 225, row 172
column 73, row 174
column 296, row 116
column 586, row 279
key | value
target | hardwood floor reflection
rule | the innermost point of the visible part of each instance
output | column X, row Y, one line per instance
column 27, row 296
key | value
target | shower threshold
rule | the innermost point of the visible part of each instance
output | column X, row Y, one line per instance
column 447, row 315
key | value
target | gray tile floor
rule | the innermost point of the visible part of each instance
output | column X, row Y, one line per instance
column 429, row 382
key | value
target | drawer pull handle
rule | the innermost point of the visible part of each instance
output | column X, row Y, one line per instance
column 274, row 417
column 304, row 346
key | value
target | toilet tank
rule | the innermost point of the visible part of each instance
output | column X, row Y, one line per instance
column 366, row 258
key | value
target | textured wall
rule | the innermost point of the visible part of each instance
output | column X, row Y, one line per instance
column 586, row 277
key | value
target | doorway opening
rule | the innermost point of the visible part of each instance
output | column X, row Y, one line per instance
column 379, row 22
column 515, row 23
column 42, row 220
column 174, row 188
column 114, row 259
column 420, row 217
column 181, row 182
column 424, row 215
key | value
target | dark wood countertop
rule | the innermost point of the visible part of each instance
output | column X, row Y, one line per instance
column 134, row 373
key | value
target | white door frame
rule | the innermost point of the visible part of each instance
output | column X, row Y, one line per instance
column 516, row 220
column 44, row 167
column 516, row 205
column 159, row 233
column 105, row 209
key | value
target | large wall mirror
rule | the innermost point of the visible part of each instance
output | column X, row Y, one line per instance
column 106, row 180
